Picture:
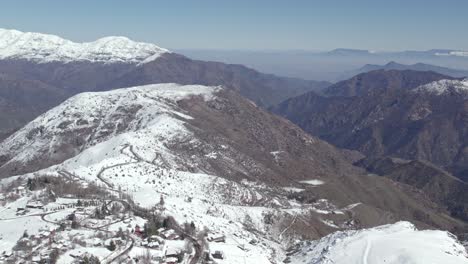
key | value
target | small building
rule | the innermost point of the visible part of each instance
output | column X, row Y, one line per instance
column 139, row 231
column 172, row 260
column 172, row 252
column 44, row 234
column 35, row 205
column 218, row 254
column 153, row 244
column 156, row 238
column 96, row 242
column 7, row 254
column 169, row 234
column 57, row 245
column 216, row 238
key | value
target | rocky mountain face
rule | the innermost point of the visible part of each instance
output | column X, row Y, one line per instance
column 382, row 82
column 426, row 122
column 115, row 62
column 420, row 124
column 441, row 186
column 180, row 141
column 22, row 100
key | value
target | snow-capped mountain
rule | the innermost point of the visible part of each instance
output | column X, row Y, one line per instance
column 50, row 48
column 390, row 244
column 218, row 160
column 445, row 87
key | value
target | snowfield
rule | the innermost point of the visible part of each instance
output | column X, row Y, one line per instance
column 49, row 48
column 390, row 244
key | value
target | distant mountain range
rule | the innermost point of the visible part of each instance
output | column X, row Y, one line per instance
column 414, row 67
column 428, row 53
column 335, row 65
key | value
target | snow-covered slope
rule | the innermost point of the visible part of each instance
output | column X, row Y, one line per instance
column 118, row 140
column 444, row 87
column 390, row 244
column 98, row 117
column 49, row 48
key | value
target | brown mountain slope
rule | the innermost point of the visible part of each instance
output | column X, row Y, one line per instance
column 396, row 122
column 23, row 100
column 439, row 185
column 264, row 89
column 382, row 81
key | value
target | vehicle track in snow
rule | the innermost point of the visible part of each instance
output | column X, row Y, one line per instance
column 365, row 257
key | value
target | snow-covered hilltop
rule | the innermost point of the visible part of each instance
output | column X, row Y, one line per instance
column 145, row 110
column 390, row 244
column 444, row 87
column 49, row 48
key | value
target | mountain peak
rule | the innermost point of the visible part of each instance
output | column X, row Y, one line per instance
column 393, row 64
column 40, row 47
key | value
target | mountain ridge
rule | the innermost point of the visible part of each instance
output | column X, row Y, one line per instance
column 415, row 67
column 42, row 48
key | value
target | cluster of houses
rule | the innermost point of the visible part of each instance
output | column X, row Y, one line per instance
column 161, row 252
column 30, row 205
column 164, row 253
column 46, row 237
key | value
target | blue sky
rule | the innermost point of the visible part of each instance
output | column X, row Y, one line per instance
column 251, row 25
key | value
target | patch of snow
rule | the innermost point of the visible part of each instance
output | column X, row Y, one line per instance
column 444, row 86
column 293, row 189
column 329, row 223
column 276, row 155
column 313, row 182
